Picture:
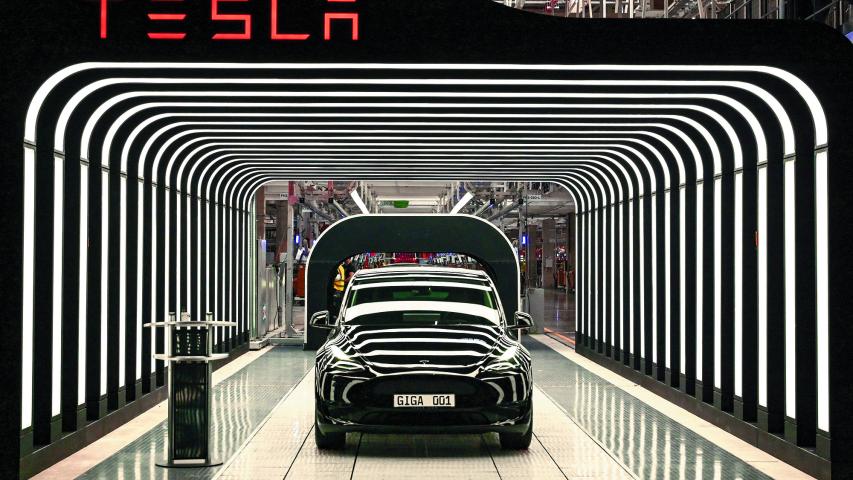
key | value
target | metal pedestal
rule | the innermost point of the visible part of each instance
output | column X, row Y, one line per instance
column 189, row 356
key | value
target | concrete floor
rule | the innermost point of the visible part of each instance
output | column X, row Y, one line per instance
column 559, row 320
column 589, row 423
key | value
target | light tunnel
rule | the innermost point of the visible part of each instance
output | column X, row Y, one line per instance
column 701, row 193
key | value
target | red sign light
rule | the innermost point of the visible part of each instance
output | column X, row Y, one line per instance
column 327, row 23
column 274, row 34
column 244, row 19
column 167, row 17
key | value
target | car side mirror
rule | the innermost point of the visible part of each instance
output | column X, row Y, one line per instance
column 321, row 320
column 523, row 321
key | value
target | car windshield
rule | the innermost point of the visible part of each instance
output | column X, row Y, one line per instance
column 419, row 319
column 420, row 292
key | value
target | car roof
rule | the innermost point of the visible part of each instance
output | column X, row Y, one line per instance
column 428, row 273
column 460, row 276
column 402, row 270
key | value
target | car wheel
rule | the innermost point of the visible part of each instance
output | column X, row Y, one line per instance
column 330, row 440
column 518, row 441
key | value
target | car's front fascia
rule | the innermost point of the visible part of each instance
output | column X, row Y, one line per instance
column 494, row 395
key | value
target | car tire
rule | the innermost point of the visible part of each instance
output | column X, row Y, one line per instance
column 330, row 440
column 517, row 441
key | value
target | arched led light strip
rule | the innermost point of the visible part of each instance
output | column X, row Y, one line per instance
column 667, row 237
column 671, row 147
column 206, row 155
column 219, row 153
column 795, row 83
column 704, row 132
column 356, row 174
column 402, row 172
column 242, row 187
column 753, row 123
column 333, row 150
column 620, row 195
column 243, row 159
column 787, row 128
column 139, row 128
column 668, row 307
column 283, row 154
column 226, row 170
column 394, row 174
column 90, row 125
column 291, row 169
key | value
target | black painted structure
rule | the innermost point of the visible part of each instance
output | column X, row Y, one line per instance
column 464, row 234
column 597, row 167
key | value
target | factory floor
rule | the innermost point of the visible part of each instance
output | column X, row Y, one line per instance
column 559, row 315
column 589, row 423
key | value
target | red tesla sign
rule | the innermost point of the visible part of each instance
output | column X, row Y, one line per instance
column 238, row 25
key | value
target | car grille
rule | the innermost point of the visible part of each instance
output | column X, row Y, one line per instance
column 425, row 419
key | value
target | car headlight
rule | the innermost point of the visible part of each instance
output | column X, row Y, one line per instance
column 343, row 361
column 504, row 361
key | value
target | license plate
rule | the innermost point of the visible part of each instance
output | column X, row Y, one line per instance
column 425, row 400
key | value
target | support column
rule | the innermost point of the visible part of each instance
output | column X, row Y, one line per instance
column 532, row 241
column 260, row 213
column 288, row 278
column 306, row 234
column 549, row 262
column 281, row 229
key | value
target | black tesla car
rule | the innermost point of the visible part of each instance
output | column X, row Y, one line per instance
column 422, row 350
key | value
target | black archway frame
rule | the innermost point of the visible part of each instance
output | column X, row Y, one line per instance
column 410, row 233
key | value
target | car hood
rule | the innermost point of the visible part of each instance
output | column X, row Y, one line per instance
column 446, row 349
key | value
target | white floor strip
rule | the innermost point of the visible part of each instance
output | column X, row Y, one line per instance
column 95, row 453
column 762, row 461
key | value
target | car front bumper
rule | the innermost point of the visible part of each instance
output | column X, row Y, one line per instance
column 505, row 418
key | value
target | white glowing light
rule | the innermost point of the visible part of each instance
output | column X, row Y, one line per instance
column 822, row 274
column 462, row 202
column 56, row 334
column 762, row 286
column 642, row 278
column 718, row 279
column 140, row 191
column 631, row 248
column 790, row 292
column 667, row 287
column 83, row 280
column 27, row 283
column 738, row 270
column 357, row 199
column 700, row 249
column 654, row 278
column 122, row 281
column 682, row 266
column 152, row 335
column 105, row 250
